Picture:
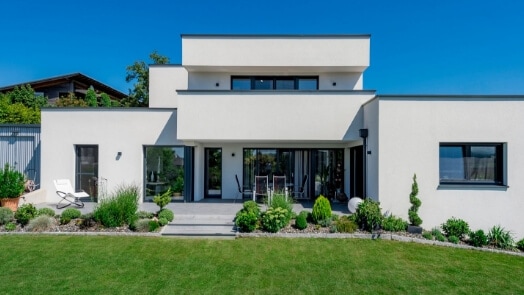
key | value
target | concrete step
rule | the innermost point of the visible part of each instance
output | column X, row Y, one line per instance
column 201, row 226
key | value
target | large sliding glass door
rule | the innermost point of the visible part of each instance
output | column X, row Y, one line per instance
column 324, row 167
column 164, row 169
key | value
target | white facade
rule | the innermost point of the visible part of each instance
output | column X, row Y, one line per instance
column 197, row 106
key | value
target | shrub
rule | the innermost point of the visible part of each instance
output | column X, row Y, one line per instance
column 274, row 219
column 162, row 221
column 25, row 213
column 280, row 200
column 69, row 214
column 252, row 206
column 46, row 211
column 455, row 227
column 325, row 222
column 10, row 226
column 145, row 214
column 393, row 223
column 167, row 214
column 478, row 238
column 11, row 182
column 520, row 245
column 87, row 220
column 438, row 234
column 301, row 221
column 414, row 219
column 140, row 225
column 163, row 199
column 368, row 216
column 500, row 238
column 427, row 235
column 345, row 225
column 120, row 208
column 153, row 225
column 321, row 209
column 246, row 221
column 6, row 215
column 41, row 223
column 453, row 239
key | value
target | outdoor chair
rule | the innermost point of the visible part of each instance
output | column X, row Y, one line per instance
column 279, row 185
column 67, row 194
column 241, row 190
column 261, row 187
column 301, row 192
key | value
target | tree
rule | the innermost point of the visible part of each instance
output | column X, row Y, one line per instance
column 26, row 96
column 70, row 101
column 105, row 101
column 90, row 99
column 139, row 72
column 17, row 113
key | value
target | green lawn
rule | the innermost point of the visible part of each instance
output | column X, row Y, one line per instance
column 44, row 264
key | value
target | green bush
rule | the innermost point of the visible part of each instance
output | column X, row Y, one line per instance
column 345, row 225
column 246, row 221
column 120, row 208
column 520, row 245
column 453, row 239
column 321, row 209
column 163, row 199
column 46, row 211
column 10, row 226
column 162, row 221
column 69, row 214
column 368, row 216
column 25, row 213
column 478, row 238
column 167, row 214
column 153, row 225
column 393, row 223
column 455, row 227
column 252, row 206
column 41, row 223
column 301, row 221
column 145, row 215
column 414, row 219
column 280, row 200
column 427, row 235
column 6, row 215
column 439, row 236
column 500, row 238
column 11, row 182
column 140, row 225
column 325, row 222
column 274, row 219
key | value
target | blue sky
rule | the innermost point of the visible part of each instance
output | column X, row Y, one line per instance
column 417, row 46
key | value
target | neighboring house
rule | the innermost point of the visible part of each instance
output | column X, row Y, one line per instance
column 295, row 105
column 56, row 87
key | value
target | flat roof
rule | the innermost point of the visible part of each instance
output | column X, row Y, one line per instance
column 278, row 35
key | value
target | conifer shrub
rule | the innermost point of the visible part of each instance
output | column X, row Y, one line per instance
column 301, row 220
column 321, row 209
column 368, row 216
column 414, row 219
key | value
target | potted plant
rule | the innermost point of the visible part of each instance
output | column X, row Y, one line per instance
column 12, row 185
column 414, row 219
column 178, row 186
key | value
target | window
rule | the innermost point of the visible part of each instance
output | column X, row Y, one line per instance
column 475, row 163
column 274, row 83
column 86, row 171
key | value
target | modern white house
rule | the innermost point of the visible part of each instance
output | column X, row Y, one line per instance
column 240, row 106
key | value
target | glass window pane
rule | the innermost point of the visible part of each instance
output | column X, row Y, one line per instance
column 241, row 84
column 480, row 165
column 164, row 170
column 307, row 84
column 285, row 84
column 451, row 163
column 263, row 84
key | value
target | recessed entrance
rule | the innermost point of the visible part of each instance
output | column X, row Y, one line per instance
column 213, row 173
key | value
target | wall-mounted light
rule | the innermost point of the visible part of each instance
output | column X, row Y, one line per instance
column 217, row 84
column 232, row 154
column 334, row 83
column 119, row 154
column 363, row 133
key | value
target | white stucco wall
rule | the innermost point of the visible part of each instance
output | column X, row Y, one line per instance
column 371, row 122
column 347, row 53
column 259, row 116
column 164, row 81
column 114, row 130
column 410, row 132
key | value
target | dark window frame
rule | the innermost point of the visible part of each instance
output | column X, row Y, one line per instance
column 499, row 170
column 274, row 79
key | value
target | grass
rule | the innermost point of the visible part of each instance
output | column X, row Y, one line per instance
column 44, row 264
